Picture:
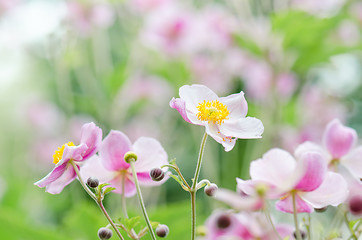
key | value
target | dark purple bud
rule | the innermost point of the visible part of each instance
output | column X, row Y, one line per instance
column 355, row 205
column 223, row 221
column 92, row 182
column 210, row 190
column 302, row 234
column 157, row 174
column 162, row 230
column 105, row 233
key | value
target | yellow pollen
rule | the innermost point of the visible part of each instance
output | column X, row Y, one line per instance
column 212, row 111
column 59, row 153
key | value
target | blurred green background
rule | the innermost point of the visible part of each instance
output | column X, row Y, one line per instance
column 119, row 63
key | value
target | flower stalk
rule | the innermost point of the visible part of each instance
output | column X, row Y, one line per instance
column 98, row 200
column 297, row 231
column 193, row 189
column 139, row 194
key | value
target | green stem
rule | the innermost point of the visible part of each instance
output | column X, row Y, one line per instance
column 267, row 215
column 124, row 208
column 177, row 169
column 97, row 200
column 143, row 208
column 353, row 234
column 193, row 187
column 298, row 235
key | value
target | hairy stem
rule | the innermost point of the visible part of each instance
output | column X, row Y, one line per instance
column 193, row 187
column 297, row 231
column 143, row 208
column 97, row 200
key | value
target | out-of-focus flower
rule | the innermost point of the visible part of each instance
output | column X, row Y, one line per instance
column 339, row 142
column 307, row 180
column 239, row 201
column 246, row 226
column 143, row 6
column 349, row 33
column 111, row 167
column 224, row 118
column 64, row 173
column 85, row 16
column 6, row 5
column 321, row 8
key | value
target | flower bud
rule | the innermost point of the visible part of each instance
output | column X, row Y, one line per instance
column 104, row 233
column 302, row 234
column 210, row 189
column 129, row 156
column 92, row 182
column 162, row 230
column 223, row 221
column 355, row 205
column 157, row 174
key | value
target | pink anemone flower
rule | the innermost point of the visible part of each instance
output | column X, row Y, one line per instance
column 224, row 118
column 111, row 167
column 64, row 173
column 307, row 180
column 339, row 148
column 244, row 225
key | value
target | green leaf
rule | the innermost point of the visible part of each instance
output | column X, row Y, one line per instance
column 247, row 44
column 172, row 161
column 108, row 190
column 177, row 178
column 131, row 223
column 154, row 224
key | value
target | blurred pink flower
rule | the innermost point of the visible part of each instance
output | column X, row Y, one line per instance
column 224, row 118
column 64, row 173
column 321, row 8
column 111, row 167
column 239, row 201
column 308, row 179
column 339, row 144
column 144, row 6
column 85, row 16
column 246, row 226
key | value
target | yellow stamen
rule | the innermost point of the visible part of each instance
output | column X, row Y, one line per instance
column 212, row 111
column 59, row 153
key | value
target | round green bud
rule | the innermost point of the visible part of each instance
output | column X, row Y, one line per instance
column 130, row 156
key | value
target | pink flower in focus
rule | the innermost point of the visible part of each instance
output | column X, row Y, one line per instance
column 111, row 167
column 307, row 179
column 339, row 148
column 224, row 118
column 64, row 173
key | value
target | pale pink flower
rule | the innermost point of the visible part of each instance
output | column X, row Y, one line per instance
column 339, row 144
column 307, row 178
column 245, row 226
column 239, row 201
column 64, row 173
column 224, row 118
column 111, row 167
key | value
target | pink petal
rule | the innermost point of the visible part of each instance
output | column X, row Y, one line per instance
column 286, row 205
column 112, row 151
column 311, row 147
column 192, row 96
column 332, row 191
column 339, row 139
column 180, row 106
column 249, row 187
column 52, row 176
column 94, row 168
column 245, row 128
column 73, row 153
column 353, row 162
column 227, row 142
column 129, row 187
column 91, row 135
column 285, row 231
column 150, row 154
column 236, row 105
column 316, row 169
column 238, row 202
column 57, row 185
column 278, row 168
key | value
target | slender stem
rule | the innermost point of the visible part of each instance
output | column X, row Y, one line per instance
column 141, row 199
column 353, row 234
column 267, row 215
column 97, row 200
column 299, row 236
column 193, row 187
column 309, row 226
column 124, row 206
column 199, row 161
column 177, row 169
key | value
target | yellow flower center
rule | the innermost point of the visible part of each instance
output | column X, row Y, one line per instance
column 212, row 111
column 59, row 153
